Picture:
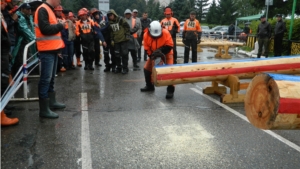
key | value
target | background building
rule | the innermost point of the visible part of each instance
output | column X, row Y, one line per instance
column 103, row 5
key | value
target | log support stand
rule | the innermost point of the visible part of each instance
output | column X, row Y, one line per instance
column 233, row 83
column 220, row 54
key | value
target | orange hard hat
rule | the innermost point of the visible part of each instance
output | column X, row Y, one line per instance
column 82, row 12
column 168, row 11
column 71, row 14
column 86, row 10
column 93, row 10
column 58, row 8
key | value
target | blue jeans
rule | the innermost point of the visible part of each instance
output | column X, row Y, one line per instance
column 48, row 71
column 68, row 53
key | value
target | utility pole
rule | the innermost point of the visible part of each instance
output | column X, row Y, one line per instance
column 268, row 3
column 292, row 19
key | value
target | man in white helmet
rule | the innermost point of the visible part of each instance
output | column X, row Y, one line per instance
column 157, row 43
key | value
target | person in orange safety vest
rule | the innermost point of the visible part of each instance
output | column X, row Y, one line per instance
column 172, row 25
column 61, row 64
column 49, row 44
column 191, row 36
column 158, row 43
column 86, row 30
column 132, row 44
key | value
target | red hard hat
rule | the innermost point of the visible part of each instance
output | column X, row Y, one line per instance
column 82, row 12
column 86, row 10
column 58, row 8
column 71, row 14
column 168, row 11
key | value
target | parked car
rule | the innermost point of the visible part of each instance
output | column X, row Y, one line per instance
column 222, row 32
column 181, row 28
column 205, row 31
column 213, row 31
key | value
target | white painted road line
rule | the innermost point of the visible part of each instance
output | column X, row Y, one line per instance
column 86, row 156
column 278, row 137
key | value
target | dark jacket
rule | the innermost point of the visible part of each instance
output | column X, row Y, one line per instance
column 5, row 41
column 145, row 23
column 44, row 25
column 231, row 30
column 264, row 30
column 119, row 28
column 280, row 28
column 10, row 26
column 104, row 27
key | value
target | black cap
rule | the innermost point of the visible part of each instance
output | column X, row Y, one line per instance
column 193, row 13
column 263, row 16
column 279, row 15
column 25, row 6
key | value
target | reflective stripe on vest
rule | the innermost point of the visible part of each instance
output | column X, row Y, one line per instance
column 3, row 23
column 47, row 42
column 135, row 35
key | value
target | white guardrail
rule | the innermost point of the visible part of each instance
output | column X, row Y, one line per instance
column 17, row 82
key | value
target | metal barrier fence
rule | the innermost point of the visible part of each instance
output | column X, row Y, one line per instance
column 17, row 81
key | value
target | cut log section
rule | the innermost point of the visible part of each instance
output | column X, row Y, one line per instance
column 272, row 102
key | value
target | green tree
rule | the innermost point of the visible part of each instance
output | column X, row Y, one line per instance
column 212, row 16
column 245, row 8
column 121, row 6
column 227, row 12
column 78, row 4
column 278, row 7
column 202, row 7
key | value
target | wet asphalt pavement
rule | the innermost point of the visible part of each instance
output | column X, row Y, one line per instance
column 130, row 129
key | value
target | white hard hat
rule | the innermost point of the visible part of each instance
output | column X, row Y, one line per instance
column 155, row 29
column 127, row 11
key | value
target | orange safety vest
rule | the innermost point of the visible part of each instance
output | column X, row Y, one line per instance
column 84, row 28
column 193, row 26
column 47, row 42
column 168, row 23
column 135, row 35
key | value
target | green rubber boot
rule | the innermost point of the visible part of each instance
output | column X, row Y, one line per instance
column 45, row 111
column 53, row 103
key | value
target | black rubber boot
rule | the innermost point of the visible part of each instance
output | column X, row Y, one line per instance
column 258, row 56
column 267, row 56
column 118, row 70
column 170, row 92
column 107, row 68
column 91, row 65
column 86, row 65
column 53, row 103
column 125, row 71
column 45, row 111
column 149, row 86
column 136, row 67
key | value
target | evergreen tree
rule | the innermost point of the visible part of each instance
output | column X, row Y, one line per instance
column 202, row 7
column 121, row 6
column 245, row 8
column 212, row 16
column 78, row 4
column 278, row 7
column 228, row 11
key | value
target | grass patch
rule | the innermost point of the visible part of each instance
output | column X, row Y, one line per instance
column 246, row 48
